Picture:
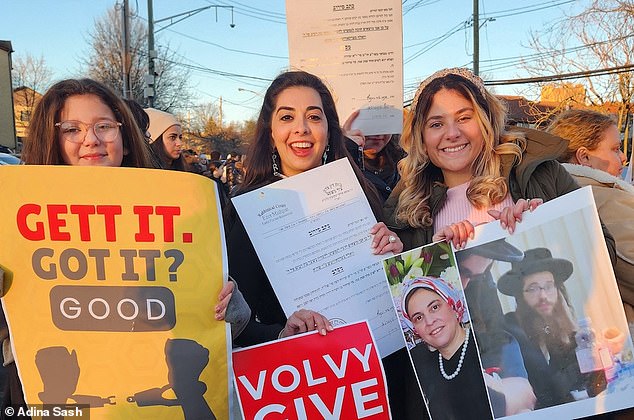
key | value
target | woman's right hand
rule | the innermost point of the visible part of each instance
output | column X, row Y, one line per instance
column 305, row 320
column 355, row 135
column 455, row 233
column 511, row 215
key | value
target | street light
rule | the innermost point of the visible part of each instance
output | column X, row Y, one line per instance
column 191, row 13
column 149, row 78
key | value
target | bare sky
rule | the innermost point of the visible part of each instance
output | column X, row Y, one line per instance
column 434, row 36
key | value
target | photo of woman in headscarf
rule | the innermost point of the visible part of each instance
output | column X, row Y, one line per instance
column 446, row 363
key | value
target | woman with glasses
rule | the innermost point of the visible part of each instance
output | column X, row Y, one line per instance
column 166, row 139
column 81, row 122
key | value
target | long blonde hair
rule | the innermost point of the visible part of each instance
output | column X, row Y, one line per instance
column 419, row 174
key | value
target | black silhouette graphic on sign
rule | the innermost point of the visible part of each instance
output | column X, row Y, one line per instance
column 59, row 371
column 185, row 360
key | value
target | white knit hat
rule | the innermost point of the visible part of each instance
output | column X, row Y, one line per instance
column 160, row 121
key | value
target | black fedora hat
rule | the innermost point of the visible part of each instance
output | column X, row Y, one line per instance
column 498, row 250
column 535, row 260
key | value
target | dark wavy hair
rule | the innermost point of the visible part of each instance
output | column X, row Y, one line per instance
column 42, row 146
column 166, row 162
column 258, row 161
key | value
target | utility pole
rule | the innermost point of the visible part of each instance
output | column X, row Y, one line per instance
column 150, row 92
column 476, row 38
column 149, row 78
column 125, row 54
column 220, row 109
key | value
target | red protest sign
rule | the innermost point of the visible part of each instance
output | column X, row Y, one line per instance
column 309, row 376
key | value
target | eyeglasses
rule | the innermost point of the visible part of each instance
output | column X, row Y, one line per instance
column 76, row 131
column 534, row 289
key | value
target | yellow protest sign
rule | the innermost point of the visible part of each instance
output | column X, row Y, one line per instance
column 111, row 278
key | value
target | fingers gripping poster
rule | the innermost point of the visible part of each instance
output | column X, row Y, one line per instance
column 111, row 278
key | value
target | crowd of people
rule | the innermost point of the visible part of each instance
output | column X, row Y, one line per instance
column 456, row 165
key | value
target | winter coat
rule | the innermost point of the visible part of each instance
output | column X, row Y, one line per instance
column 538, row 175
column 615, row 203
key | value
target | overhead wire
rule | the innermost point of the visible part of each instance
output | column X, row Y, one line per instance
column 239, row 5
column 253, row 14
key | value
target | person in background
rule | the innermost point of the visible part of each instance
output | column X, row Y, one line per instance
column 143, row 121
column 376, row 155
column 544, row 325
column 594, row 157
column 233, row 172
column 298, row 130
column 166, row 139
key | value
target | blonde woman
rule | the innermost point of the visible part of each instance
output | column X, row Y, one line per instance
column 463, row 168
column 594, row 158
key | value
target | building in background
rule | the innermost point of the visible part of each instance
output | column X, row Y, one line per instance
column 24, row 101
column 7, row 123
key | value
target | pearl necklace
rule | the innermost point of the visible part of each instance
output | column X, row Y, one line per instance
column 462, row 353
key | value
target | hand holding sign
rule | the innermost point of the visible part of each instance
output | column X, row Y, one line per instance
column 305, row 320
column 339, row 376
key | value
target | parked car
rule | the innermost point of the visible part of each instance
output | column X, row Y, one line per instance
column 8, row 159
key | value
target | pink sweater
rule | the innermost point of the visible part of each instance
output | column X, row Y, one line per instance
column 457, row 208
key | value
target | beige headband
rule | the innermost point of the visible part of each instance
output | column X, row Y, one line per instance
column 458, row 71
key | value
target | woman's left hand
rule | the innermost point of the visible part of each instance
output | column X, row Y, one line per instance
column 511, row 215
column 384, row 240
column 223, row 300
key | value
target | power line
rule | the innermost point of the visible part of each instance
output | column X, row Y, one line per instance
column 556, row 77
column 563, row 76
column 256, row 15
column 460, row 26
column 526, row 9
column 495, row 15
column 220, row 46
column 227, row 48
column 418, row 4
column 239, row 6
column 513, row 61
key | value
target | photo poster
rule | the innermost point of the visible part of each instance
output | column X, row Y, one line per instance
column 111, row 278
column 356, row 48
column 309, row 376
column 430, row 304
column 574, row 342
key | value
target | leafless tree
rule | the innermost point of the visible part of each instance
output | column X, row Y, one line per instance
column 599, row 37
column 32, row 74
column 104, row 62
column 203, row 119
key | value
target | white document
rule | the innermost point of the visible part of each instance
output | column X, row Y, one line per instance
column 356, row 47
column 311, row 233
